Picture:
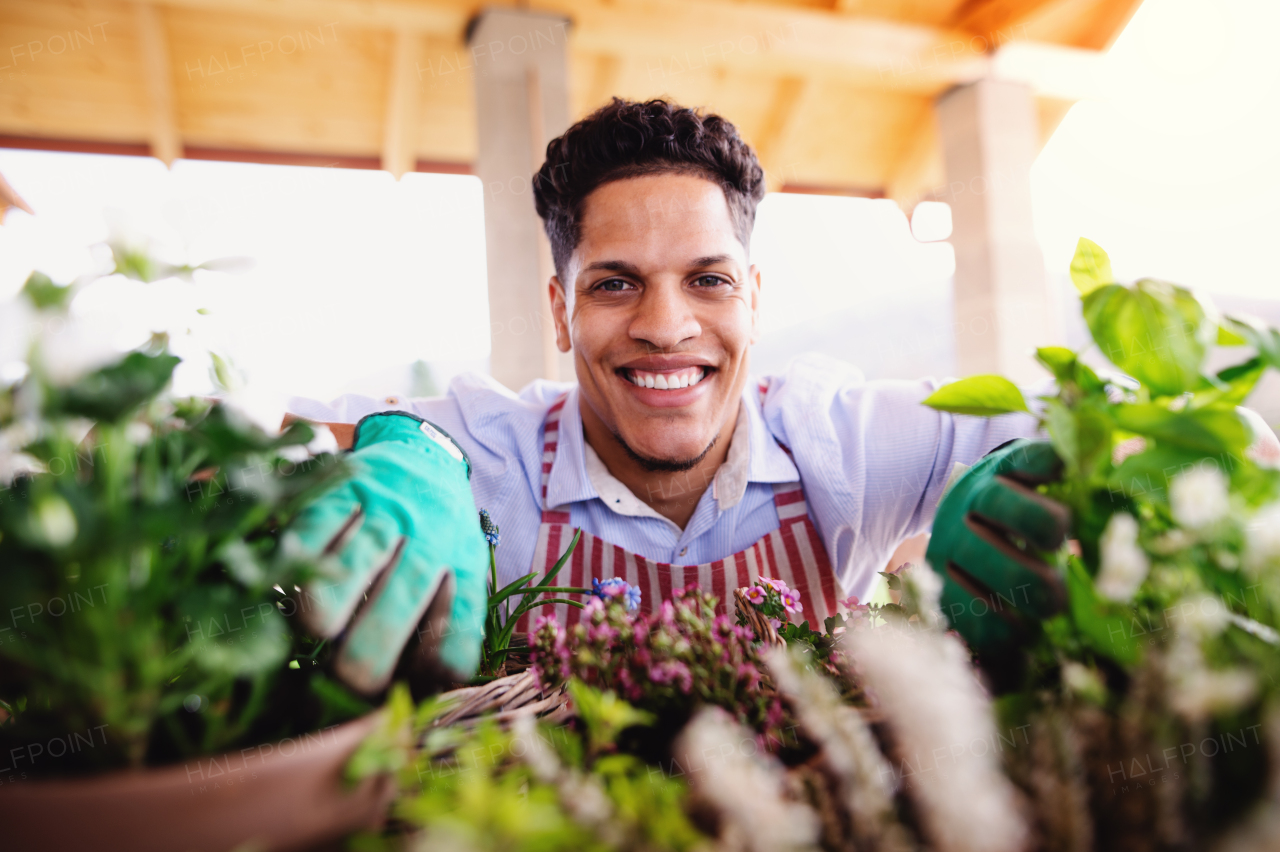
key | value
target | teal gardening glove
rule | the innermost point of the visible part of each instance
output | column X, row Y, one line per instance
column 403, row 529
column 989, row 535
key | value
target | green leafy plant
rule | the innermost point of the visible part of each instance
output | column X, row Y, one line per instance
column 500, row 618
column 145, row 595
column 533, row 787
column 1173, row 574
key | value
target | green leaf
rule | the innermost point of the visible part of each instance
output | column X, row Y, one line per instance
column 605, row 714
column 893, row 581
column 1081, row 435
column 44, row 294
column 984, row 396
column 232, row 633
column 1227, row 337
column 1098, row 625
column 1257, row 334
column 1154, row 331
column 1233, row 385
column 1211, row 430
column 115, row 391
column 1090, row 268
column 1060, row 360
column 1147, row 474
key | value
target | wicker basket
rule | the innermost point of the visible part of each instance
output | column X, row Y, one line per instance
column 756, row 620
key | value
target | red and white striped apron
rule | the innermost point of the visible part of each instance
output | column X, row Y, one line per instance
column 792, row 553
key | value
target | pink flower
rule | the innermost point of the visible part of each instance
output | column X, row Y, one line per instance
column 850, row 602
column 791, row 601
column 775, row 584
column 755, row 595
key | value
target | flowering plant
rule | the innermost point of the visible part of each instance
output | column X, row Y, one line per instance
column 143, row 581
column 500, row 618
column 616, row 587
column 1172, row 579
column 668, row 661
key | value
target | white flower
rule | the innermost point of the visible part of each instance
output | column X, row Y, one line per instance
column 1262, row 539
column 256, row 405
column 1124, row 564
column 1203, row 614
column 729, row 772
column 1199, row 498
column 924, row 585
column 1197, row 692
column 947, row 751
column 322, row 442
column 14, row 462
column 849, row 749
column 70, row 348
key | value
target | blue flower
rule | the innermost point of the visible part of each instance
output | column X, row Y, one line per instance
column 616, row 587
column 489, row 528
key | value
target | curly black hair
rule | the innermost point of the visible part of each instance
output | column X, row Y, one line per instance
column 627, row 139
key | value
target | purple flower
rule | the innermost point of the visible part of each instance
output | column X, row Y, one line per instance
column 777, row 585
column 616, row 587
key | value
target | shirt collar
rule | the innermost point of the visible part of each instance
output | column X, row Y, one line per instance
column 759, row 458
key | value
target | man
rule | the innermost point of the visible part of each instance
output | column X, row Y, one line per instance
column 675, row 462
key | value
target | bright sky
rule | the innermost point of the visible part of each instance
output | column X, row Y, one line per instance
column 357, row 275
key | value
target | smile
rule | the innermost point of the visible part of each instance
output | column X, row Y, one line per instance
column 666, row 379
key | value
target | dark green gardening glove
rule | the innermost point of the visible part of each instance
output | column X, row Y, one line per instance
column 403, row 529
column 989, row 537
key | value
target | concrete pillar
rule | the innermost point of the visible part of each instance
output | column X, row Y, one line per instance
column 522, row 103
column 1003, row 308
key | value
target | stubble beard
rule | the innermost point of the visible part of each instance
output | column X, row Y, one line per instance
column 663, row 465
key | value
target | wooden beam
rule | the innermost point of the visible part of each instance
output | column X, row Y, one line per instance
column 992, row 18
column 788, row 98
column 1109, row 20
column 608, row 69
column 673, row 37
column 919, row 171
column 399, row 151
column 166, row 144
column 424, row 18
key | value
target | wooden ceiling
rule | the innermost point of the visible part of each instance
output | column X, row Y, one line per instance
column 836, row 95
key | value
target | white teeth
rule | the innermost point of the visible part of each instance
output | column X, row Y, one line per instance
column 668, row 381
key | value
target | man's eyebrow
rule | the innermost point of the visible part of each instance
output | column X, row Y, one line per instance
column 711, row 260
column 612, row 266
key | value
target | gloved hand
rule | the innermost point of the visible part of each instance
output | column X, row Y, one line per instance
column 994, row 590
column 404, row 529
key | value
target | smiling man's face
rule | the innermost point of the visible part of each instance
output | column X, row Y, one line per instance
column 661, row 308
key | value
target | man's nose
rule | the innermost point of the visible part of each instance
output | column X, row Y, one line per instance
column 664, row 318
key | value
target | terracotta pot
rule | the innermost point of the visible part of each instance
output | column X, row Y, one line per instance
column 287, row 795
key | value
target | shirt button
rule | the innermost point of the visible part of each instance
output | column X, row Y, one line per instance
column 391, row 400
column 683, row 552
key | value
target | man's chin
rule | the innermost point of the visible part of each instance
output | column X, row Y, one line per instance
column 664, row 463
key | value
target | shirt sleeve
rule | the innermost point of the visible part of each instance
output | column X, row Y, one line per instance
column 874, row 461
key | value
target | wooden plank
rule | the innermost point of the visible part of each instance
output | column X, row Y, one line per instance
column 991, row 19
column 789, row 96
column 166, row 145
column 399, row 148
column 918, row 175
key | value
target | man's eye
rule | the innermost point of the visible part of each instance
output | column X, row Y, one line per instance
column 612, row 285
column 709, row 281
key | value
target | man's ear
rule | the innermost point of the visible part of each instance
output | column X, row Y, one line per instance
column 754, row 280
column 559, row 312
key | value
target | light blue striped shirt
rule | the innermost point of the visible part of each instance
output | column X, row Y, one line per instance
column 872, row 459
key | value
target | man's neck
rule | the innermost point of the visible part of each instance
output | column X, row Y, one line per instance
column 672, row 495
